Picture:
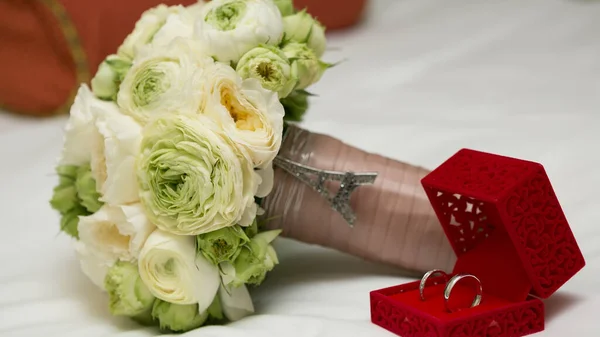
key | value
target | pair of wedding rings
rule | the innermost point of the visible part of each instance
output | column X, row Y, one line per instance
column 450, row 284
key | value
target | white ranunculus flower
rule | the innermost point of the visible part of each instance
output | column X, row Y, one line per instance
column 115, row 232
column 94, row 266
column 98, row 134
column 115, row 144
column 164, row 80
column 157, row 27
column 78, row 131
column 177, row 25
column 236, row 302
column 227, row 29
column 249, row 114
column 195, row 10
column 173, row 271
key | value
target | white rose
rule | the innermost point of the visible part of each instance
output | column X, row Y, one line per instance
column 249, row 114
column 77, row 137
column 94, row 266
column 115, row 144
column 164, row 80
column 176, row 25
column 227, row 29
column 173, row 271
column 267, row 179
column 157, row 26
column 115, row 232
column 195, row 10
column 109, row 235
column 236, row 302
column 98, row 134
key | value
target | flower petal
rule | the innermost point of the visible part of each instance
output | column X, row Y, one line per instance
column 236, row 302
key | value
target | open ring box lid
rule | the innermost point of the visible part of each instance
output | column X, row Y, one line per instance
column 507, row 228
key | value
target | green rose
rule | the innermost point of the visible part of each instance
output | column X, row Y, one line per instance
column 192, row 179
column 111, row 73
column 166, row 315
column 306, row 66
column 178, row 317
column 270, row 66
column 222, row 245
column 128, row 294
column 255, row 259
column 286, row 7
column 74, row 196
column 303, row 28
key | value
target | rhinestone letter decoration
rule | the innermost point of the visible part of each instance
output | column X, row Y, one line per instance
column 316, row 179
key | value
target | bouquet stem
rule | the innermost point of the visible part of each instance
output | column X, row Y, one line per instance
column 395, row 223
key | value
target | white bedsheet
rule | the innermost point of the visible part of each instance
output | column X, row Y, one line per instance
column 422, row 79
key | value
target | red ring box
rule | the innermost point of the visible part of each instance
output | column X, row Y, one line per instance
column 507, row 228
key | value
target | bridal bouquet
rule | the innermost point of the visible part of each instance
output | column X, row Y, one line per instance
column 167, row 157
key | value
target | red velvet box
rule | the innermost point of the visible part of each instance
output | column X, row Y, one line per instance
column 507, row 228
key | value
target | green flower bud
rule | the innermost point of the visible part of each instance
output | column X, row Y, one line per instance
column 286, row 7
column 226, row 16
column 303, row 28
column 306, row 66
column 111, row 73
column 295, row 105
column 270, row 66
column 215, row 311
column 128, row 294
column 222, row 245
column 74, row 196
column 145, row 318
column 86, row 189
column 178, row 317
column 256, row 259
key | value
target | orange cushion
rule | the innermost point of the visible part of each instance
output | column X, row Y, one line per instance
column 38, row 40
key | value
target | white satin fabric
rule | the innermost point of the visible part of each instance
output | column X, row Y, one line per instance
column 421, row 79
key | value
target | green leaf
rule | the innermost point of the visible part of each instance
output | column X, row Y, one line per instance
column 70, row 220
column 295, row 105
column 74, row 196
